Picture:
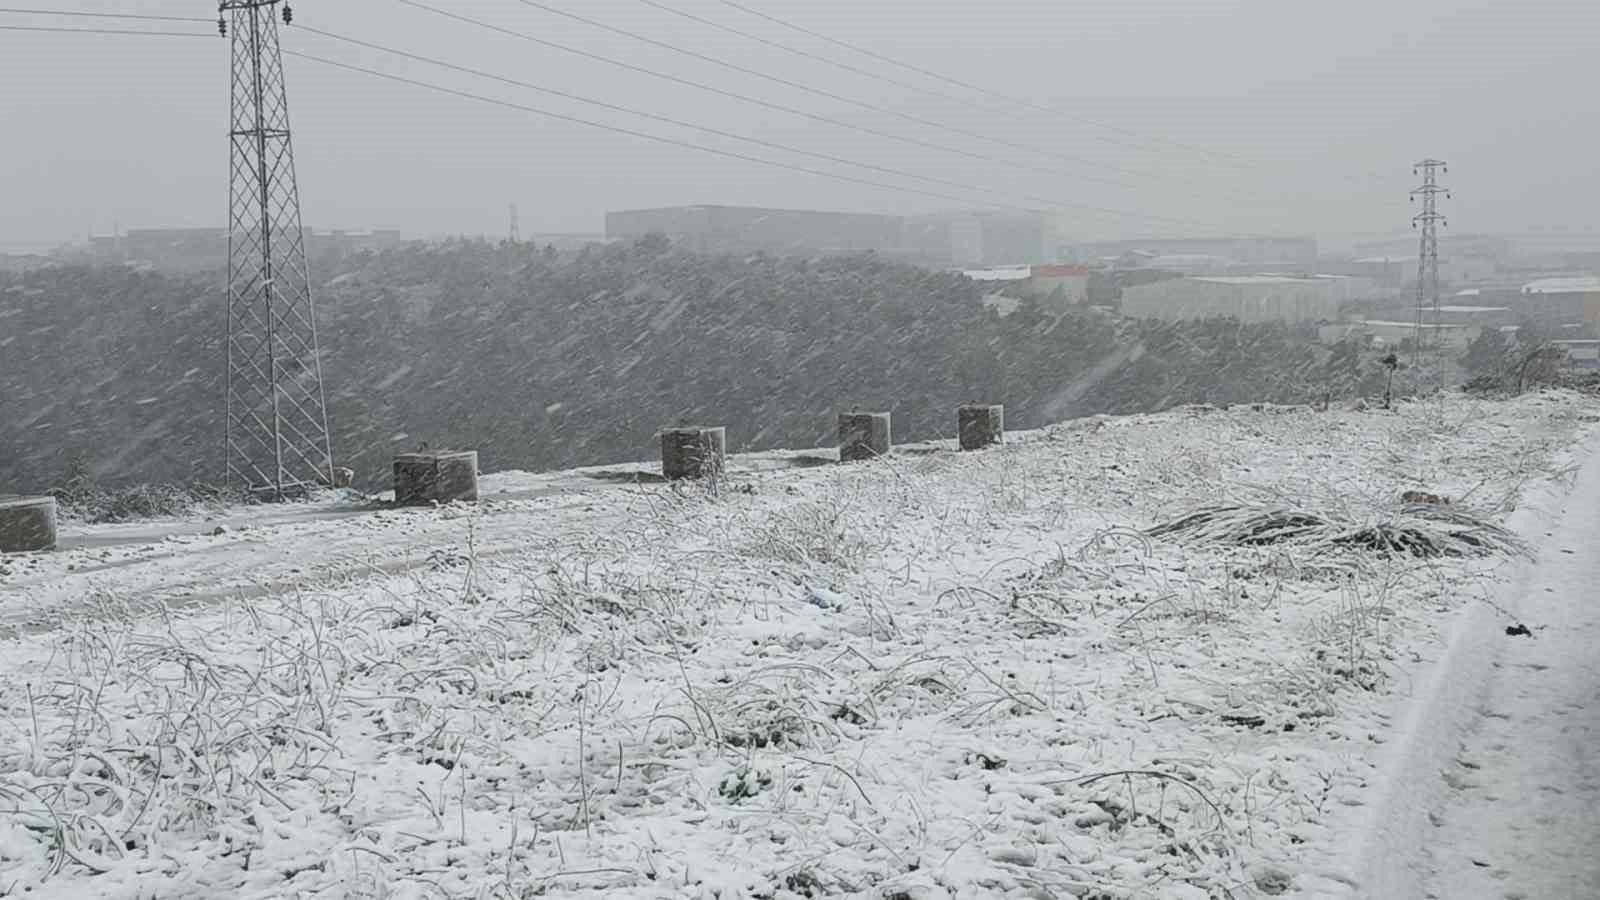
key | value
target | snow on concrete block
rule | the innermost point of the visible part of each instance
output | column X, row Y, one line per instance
column 27, row 524
column 428, row 476
column 863, row 436
column 981, row 425
column 693, row 452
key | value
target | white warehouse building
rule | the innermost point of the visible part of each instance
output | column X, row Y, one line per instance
column 1248, row 298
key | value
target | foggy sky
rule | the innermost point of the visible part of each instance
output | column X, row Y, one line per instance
column 1321, row 107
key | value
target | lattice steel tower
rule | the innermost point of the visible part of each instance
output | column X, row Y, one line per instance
column 1428, row 254
column 277, row 437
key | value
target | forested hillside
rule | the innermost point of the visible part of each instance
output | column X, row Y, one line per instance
column 541, row 361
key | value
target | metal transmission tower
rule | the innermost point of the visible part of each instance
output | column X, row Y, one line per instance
column 1428, row 254
column 277, row 438
column 516, row 226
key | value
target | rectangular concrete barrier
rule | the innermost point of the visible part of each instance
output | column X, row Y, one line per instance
column 27, row 524
column 428, row 476
column 693, row 452
column 863, row 436
column 981, row 425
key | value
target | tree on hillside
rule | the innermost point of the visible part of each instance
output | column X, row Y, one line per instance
column 1487, row 354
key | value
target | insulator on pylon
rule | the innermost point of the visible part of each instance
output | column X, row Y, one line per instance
column 288, row 15
column 222, row 25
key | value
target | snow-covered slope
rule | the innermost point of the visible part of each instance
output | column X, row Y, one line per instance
column 935, row 675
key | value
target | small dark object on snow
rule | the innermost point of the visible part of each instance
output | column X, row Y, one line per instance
column 1246, row 721
column 803, row 883
column 988, row 762
column 1518, row 630
column 1273, row 881
column 1422, row 497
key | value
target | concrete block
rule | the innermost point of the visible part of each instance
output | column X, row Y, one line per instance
column 435, row 475
column 981, row 425
column 693, row 452
column 27, row 524
column 863, row 436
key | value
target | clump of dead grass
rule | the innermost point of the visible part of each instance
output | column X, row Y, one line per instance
column 1421, row 530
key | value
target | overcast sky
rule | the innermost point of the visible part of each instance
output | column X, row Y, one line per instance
column 1303, row 118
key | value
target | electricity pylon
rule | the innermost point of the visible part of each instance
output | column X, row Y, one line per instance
column 276, row 432
column 1428, row 253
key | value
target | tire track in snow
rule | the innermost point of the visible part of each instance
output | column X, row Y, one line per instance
column 1489, row 785
column 1522, row 818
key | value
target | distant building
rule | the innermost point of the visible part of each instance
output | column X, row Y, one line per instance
column 169, row 249
column 742, row 229
column 1002, row 275
column 1248, row 298
column 1468, row 314
column 1563, row 301
column 1058, row 285
column 939, row 239
column 345, row 243
column 1582, row 354
column 204, row 249
column 1242, row 250
column 999, row 238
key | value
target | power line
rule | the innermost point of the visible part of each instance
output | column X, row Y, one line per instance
column 1143, row 144
column 731, row 154
column 99, row 15
column 776, row 45
column 767, row 104
column 745, row 98
column 657, row 117
column 880, row 110
column 651, row 137
column 1234, row 158
column 120, row 31
column 1082, row 120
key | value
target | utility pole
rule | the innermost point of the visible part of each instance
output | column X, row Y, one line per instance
column 1428, row 253
column 276, row 438
column 516, row 227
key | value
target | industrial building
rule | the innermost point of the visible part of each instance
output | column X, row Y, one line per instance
column 1248, row 298
column 1212, row 252
column 1563, row 301
column 1582, row 354
column 743, row 229
column 203, row 249
column 939, row 239
column 1055, row 285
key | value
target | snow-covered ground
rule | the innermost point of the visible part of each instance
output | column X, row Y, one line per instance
column 936, row 675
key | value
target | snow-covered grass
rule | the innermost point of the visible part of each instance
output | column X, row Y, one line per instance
column 933, row 675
